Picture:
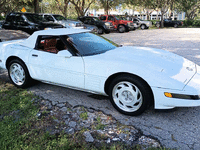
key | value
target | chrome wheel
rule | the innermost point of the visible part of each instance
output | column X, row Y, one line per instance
column 143, row 27
column 17, row 74
column 158, row 25
column 127, row 96
column 100, row 31
column 121, row 29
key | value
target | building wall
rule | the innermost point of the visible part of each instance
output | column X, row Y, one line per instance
column 142, row 15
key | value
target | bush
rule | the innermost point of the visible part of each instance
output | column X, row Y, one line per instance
column 195, row 23
column 2, row 18
column 154, row 21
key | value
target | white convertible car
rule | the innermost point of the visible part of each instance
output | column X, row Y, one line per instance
column 133, row 77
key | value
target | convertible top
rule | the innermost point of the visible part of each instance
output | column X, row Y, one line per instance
column 30, row 42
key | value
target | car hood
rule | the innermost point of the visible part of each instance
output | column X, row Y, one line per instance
column 147, row 62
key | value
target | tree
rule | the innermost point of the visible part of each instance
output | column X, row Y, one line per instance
column 63, row 6
column 7, row 6
column 36, row 6
column 81, row 6
column 190, row 7
column 108, row 4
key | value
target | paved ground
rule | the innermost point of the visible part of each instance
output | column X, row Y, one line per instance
column 178, row 128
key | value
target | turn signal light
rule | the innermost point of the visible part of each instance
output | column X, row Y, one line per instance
column 168, row 95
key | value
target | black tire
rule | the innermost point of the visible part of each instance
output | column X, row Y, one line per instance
column 143, row 26
column 175, row 25
column 20, row 72
column 158, row 25
column 134, row 84
column 121, row 28
column 100, row 30
column 107, row 32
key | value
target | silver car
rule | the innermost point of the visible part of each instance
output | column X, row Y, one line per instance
column 66, row 22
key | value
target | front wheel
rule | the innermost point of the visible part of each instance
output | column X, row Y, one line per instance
column 19, row 74
column 100, row 30
column 130, row 95
column 121, row 28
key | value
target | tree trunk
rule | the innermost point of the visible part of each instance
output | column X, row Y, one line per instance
column 36, row 6
column 162, row 22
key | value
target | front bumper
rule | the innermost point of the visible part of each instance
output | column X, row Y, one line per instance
column 192, row 89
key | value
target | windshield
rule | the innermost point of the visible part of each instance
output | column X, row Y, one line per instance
column 96, row 19
column 35, row 18
column 117, row 17
column 139, row 19
column 89, row 44
column 59, row 17
column 123, row 18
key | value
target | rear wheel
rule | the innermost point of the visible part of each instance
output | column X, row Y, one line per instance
column 158, row 25
column 175, row 26
column 130, row 95
column 19, row 74
column 143, row 26
column 121, row 28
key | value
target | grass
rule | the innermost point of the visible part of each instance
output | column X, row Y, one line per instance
column 19, row 126
column 21, row 129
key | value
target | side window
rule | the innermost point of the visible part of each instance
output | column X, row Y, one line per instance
column 19, row 19
column 10, row 18
column 135, row 20
column 103, row 18
column 48, row 18
column 110, row 18
column 51, row 44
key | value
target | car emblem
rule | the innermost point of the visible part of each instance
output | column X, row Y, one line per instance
column 189, row 69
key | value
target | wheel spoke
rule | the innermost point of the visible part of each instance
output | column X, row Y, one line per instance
column 127, row 96
column 17, row 74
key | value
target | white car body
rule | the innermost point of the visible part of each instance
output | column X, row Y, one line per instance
column 162, row 70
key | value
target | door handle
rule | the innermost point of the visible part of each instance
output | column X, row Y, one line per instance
column 34, row 55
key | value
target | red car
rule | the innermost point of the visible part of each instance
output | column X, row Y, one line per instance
column 120, row 25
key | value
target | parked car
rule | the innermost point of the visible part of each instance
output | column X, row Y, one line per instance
column 120, row 25
column 102, row 26
column 62, row 20
column 27, row 22
column 1, row 23
column 169, row 23
column 136, row 26
column 67, row 22
column 7, row 35
column 132, row 77
column 141, row 23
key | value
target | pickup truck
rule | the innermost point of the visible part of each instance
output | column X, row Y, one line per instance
column 120, row 25
column 169, row 23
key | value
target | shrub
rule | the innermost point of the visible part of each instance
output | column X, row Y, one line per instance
column 2, row 17
column 194, row 23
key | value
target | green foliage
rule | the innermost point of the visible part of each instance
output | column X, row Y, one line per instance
column 2, row 17
column 99, row 125
column 191, row 23
column 84, row 115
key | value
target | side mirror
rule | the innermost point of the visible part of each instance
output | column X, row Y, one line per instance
column 64, row 53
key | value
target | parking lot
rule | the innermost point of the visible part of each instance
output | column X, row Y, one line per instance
column 177, row 128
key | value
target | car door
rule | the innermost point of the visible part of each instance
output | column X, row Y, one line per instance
column 54, row 67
